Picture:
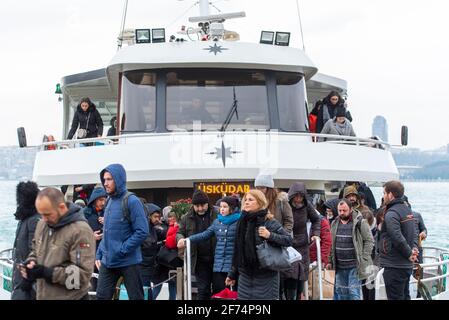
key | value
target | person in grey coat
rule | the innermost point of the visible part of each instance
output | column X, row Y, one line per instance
column 337, row 126
column 26, row 213
column 255, row 226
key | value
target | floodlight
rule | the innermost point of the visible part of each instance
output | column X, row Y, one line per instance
column 267, row 37
column 158, row 35
column 282, row 38
column 143, row 35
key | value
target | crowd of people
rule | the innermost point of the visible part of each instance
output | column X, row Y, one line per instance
column 59, row 245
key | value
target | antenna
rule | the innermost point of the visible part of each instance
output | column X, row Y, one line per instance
column 300, row 26
column 122, row 26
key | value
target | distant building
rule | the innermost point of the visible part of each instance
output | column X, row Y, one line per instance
column 380, row 128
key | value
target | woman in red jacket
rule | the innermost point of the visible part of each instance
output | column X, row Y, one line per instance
column 326, row 242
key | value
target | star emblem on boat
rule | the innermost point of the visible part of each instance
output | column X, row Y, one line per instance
column 223, row 153
column 215, row 49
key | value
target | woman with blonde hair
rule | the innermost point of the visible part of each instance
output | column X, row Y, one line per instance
column 255, row 226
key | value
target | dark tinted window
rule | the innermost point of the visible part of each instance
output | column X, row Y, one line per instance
column 202, row 99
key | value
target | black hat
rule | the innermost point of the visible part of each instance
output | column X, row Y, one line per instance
column 232, row 202
column 340, row 112
column 199, row 197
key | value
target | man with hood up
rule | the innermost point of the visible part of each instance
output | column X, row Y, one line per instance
column 119, row 253
column 94, row 212
column 62, row 258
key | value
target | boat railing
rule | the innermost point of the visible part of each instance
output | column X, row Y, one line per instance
column 122, row 139
column 187, row 271
column 441, row 274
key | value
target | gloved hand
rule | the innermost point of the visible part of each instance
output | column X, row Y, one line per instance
column 40, row 271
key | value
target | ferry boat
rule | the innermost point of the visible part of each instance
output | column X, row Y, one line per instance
column 210, row 114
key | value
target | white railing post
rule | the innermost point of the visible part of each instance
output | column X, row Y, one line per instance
column 187, row 272
column 319, row 265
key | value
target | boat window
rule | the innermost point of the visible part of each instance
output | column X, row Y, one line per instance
column 202, row 99
column 138, row 102
column 292, row 102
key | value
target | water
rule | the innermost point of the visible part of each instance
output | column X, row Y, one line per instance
column 431, row 199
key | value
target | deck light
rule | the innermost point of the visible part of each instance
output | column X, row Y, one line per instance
column 282, row 39
column 58, row 89
column 143, row 36
column 267, row 37
column 158, row 35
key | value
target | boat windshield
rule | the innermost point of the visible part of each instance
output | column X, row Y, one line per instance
column 200, row 99
column 212, row 100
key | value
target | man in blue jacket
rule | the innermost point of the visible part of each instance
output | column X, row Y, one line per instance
column 398, row 244
column 119, row 251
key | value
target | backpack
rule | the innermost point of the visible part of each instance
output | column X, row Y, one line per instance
column 125, row 208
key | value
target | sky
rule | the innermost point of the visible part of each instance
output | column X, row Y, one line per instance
column 392, row 53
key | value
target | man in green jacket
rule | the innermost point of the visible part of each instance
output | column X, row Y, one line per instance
column 63, row 250
column 350, row 256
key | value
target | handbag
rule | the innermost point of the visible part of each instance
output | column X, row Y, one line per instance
column 168, row 257
column 293, row 255
column 82, row 133
column 272, row 257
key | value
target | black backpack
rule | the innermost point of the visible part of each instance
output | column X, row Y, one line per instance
column 125, row 208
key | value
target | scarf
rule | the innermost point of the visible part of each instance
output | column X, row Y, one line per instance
column 245, row 241
column 229, row 219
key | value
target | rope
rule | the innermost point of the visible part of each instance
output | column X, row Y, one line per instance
column 182, row 15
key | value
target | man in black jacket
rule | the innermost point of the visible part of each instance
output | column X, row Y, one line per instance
column 398, row 242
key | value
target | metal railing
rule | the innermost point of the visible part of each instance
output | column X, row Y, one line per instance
column 187, row 271
column 379, row 277
column 336, row 139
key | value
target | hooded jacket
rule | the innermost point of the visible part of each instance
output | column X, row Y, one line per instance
column 69, row 248
column 120, row 246
column 301, row 237
column 91, row 213
column 398, row 235
column 81, row 117
column 364, row 210
column 28, row 217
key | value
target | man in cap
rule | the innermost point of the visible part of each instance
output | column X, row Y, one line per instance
column 198, row 220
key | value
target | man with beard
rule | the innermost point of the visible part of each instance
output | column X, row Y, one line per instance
column 198, row 220
column 352, row 243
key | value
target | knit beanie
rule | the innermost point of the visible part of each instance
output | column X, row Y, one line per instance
column 200, row 197
column 340, row 112
column 264, row 181
column 232, row 202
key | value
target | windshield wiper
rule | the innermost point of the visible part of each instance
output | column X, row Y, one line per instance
column 231, row 113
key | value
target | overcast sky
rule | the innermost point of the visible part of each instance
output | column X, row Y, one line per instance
column 392, row 53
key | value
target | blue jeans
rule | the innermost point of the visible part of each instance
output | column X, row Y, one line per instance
column 347, row 278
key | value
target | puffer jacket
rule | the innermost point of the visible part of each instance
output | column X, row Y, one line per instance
column 224, row 248
column 261, row 284
column 363, row 244
column 69, row 248
column 120, row 246
column 326, row 243
column 398, row 236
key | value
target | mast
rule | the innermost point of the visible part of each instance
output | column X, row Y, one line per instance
column 204, row 8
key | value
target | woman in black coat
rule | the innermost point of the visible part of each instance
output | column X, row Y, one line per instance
column 255, row 226
column 88, row 118
column 26, row 213
column 325, row 109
